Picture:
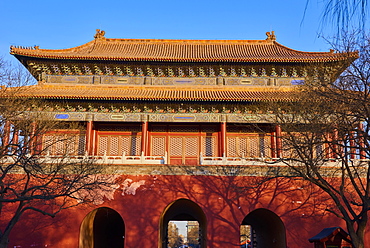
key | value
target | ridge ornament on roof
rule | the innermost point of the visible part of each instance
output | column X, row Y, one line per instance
column 99, row 34
column 271, row 36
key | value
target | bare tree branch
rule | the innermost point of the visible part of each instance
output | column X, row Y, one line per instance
column 327, row 137
column 31, row 178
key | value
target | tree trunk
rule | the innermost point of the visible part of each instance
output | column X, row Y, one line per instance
column 357, row 238
column 4, row 238
column 4, row 241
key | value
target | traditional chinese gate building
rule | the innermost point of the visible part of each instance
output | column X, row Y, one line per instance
column 177, row 119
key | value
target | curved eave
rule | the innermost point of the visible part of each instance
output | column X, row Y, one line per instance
column 162, row 99
column 193, row 60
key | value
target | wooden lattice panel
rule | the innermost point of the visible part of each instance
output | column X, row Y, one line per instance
column 254, row 148
column 81, row 144
column 60, row 144
column 47, row 142
column 176, row 146
column 135, row 145
column 266, row 146
column 114, row 146
column 231, row 147
column 71, row 144
column 289, row 151
column 103, row 145
column 209, row 146
column 191, row 146
column 126, row 147
column 158, row 146
column 256, row 145
column 242, row 146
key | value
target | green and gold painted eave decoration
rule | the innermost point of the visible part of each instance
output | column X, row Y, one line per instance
column 153, row 73
column 152, row 112
column 163, row 117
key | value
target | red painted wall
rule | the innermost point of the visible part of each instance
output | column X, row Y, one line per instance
column 226, row 201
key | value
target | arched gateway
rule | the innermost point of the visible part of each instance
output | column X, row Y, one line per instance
column 102, row 228
column 183, row 210
column 266, row 229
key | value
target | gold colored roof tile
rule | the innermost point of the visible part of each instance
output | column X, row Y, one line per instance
column 153, row 93
column 182, row 51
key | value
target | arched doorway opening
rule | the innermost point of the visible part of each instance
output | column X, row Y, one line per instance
column 102, row 228
column 262, row 228
column 183, row 210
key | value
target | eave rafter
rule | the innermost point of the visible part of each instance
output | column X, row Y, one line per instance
column 38, row 67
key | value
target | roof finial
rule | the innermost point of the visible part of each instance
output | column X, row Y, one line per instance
column 99, row 34
column 271, row 36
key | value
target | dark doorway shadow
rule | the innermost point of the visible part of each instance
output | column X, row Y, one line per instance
column 102, row 228
column 266, row 229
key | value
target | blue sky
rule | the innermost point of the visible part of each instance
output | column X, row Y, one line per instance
column 64, row 24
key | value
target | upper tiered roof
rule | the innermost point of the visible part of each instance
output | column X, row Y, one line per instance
column 102, row 48
column 101, row 80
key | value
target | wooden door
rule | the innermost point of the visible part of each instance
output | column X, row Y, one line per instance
column 183, row 143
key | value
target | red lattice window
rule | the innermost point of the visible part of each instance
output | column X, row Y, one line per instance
column 250, row 145
column 158, row 146
column 176, row 146
column 63, row 143
column 116, row 145
column 209, row 146
column 184, row 143
column 191, row 146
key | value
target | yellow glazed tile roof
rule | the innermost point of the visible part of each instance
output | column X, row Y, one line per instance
column 102, row 48
column 157, row 93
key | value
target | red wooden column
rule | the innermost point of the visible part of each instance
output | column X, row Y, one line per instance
column 144, row 138
column 273, row 144
column 89, row 137
column 223, row 138
column 33, row 138
column 352, row 144
column 329, row 146
column 38, row 144
column 278, row 141
column 335, row 144
column 6, row 136
column 361, row 141
column 15, row 140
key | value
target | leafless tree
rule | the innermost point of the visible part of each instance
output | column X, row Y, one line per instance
column 344, row 15
column 326, row 139
column 31, row 179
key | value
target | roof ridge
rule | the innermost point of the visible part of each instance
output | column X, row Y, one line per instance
column 186, row 40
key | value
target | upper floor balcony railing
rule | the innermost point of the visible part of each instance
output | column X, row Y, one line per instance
column 162, row 160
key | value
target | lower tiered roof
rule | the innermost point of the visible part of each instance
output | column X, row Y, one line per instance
column 156, row 93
